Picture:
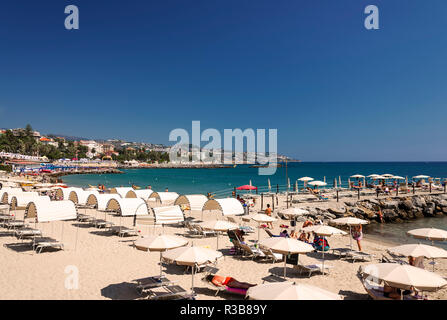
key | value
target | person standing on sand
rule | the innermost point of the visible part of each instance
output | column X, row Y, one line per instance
column 268, row 211
column 357, row 235
column 166, row 190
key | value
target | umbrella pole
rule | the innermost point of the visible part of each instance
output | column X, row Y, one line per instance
column 217, row 244
column 192, row 280
column 285, row 256
column 323, row 256
column 350, row 237
column 259, row 230
column 161, row 270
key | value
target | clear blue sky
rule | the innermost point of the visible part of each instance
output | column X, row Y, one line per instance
column 138, row 69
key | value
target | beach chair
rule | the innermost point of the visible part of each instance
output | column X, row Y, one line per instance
column 44, row 242
column 100, row 223
column 151, row 282
column 123, row 231
column 271, row 278
column 376, row 292
column 220, row 288
column 340, row 252
column 392, row 258
column 250, row 252
column 359, row 255
column 203, row 232
column 26, row 233
column 191, row 228
column 169, row 292
column 311, row 266
column 269, row 254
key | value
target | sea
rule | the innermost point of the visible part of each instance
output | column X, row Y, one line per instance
column 222, row 181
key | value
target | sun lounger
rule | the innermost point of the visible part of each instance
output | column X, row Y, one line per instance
column 359, row 255
column 41, row 243
column 273, row 278
column 311, row 266
column 341, row 252
column 203, row 232
column 376, row 292
column 124, row 231
column 269, row 254
column 169, row 292
column 27, row 233
column 99, row 223
column 151, row 282
column 220, row 288
column 84, row 218
column 251, row 252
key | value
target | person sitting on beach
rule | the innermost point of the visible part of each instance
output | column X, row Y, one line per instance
column 387, row 190
column 357, row 235
column 228, row 281
column 149, row 187
column 166, row 190
column 294, row 234
column 416, row 262
column 391, row 292
column 284, row 234
column 305, row 236
column 321, row 244
column 268, row 211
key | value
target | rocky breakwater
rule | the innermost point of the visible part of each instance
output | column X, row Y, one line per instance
column 395, row 209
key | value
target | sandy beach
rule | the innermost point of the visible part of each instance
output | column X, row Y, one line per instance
column 108, row 264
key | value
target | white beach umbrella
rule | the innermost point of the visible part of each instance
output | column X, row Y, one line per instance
column 159, row 243
column 262, row 218
column 349, row 221
column 219, row 225
column 373, row 175
column 305, row 179
column 289, row 291
column 421, row 176
column 191, row 256
column 323, row 230
column 286, row 246
column 387, row 175
column 317, row 183
column 432, row 234
column 404, row 277
column 293, row 212
column 398, row 178
column 419, row 250
column 358, row 176
column 270, row 186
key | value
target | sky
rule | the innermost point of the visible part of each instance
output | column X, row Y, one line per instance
column 136, row 70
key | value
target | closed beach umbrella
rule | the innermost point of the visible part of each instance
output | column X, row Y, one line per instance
column 325, row 231
column 191, row 256
column 286, row 246
column 404, row 277
column 429, row 234
column 288, row 183
column 262, row 218
column 270, row 186
column 160, row 243
column 289, row 291
column 219, row 225
column 349, row 221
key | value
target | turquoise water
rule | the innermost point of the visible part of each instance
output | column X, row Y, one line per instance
column 223, row 180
